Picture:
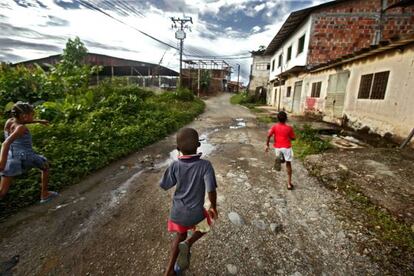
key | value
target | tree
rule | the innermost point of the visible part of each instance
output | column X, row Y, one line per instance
column 74, row 53
column 71, row 71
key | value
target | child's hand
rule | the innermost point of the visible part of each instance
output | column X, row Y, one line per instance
column 267, row 149
column 213, row 213
column 2, row 165
column 43, row 122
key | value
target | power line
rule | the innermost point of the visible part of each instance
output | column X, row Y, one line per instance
column 92, row 6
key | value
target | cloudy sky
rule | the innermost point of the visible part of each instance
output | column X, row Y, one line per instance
column 32, row 29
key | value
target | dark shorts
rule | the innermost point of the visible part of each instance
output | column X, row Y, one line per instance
column 18, row 165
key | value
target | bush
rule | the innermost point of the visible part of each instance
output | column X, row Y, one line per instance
column 89, row 131
column 308, row 142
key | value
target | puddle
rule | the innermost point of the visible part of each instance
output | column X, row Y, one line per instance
column 205, row 148
column 122, row 190
column 239, row 123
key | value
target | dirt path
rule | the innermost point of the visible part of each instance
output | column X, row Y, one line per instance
column 114, row 222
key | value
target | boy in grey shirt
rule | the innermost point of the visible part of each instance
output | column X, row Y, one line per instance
column 192, row 177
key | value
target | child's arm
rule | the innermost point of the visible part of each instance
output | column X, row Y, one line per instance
column 43, row 122
column 292, row 134
column 269, row 135
column 168, row 180
column 19, row 131
column 212, row 196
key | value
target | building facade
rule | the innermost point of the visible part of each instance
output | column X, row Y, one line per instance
column 326, row 36
column 259, row 72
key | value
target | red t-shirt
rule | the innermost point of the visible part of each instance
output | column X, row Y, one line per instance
column 282, row 133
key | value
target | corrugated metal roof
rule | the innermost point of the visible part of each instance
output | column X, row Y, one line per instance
column 104, row 60
column 294, row 20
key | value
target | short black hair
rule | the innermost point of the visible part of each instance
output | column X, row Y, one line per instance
column 187, row 141
column 282, row 117
column 21, row 108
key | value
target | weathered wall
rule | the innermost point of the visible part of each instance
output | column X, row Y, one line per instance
column 347, row 27
column 395, row 113
column 259, row 77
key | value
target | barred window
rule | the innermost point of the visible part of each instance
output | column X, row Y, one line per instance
column 380, row 85
column 316, row 89
column 288, row 91
column 373, row 86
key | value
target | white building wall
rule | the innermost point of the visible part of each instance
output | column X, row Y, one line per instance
column 296, row 60
column 394, row 114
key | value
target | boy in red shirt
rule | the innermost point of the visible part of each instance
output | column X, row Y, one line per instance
column 283, row 134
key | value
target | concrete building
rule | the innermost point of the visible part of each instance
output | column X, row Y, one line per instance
column 206, row 77
column 344, row 61
column 374, row 89
column 322, row 33
column 259, row 72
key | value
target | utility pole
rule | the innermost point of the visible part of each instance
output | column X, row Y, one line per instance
column 238, row 77
column 180, row 35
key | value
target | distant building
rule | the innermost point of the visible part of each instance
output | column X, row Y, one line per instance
column 144, row 73
column 259, row 73
column 235, row 87
column 206, row 77
column 349, row 61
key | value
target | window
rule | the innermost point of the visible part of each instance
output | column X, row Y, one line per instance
column 279, row 63
column 373, row 86
column 316, row 89
column 289, row 53
column 301, row 44
column 273, row 65
column 268, row 67
column 289, row 90
column 261, row 66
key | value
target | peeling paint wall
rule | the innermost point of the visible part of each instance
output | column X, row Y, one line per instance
column 392, row 115
column 395, row 113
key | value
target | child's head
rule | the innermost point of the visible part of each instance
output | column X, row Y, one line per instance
column 22, row 111
column 282, row 117
column 187, row 141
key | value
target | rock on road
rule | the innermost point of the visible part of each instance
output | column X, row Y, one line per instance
column 114, row 222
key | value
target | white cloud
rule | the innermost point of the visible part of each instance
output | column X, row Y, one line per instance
column 255, row 29
column 260, row 7
column 95, row 27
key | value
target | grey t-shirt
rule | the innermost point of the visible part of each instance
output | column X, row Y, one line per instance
column 193, row 177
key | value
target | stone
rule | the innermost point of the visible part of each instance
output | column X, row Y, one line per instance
column 267, row 205
column 340, row 235
column 275, row 227
column 235, row 218
column 232, row 269
column 343, row 167
column 313, row 214
column 260, row 224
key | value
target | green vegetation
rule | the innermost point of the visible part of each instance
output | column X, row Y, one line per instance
column 386, row 228
column 89, row 126
column 245, row 99
column 308, row 142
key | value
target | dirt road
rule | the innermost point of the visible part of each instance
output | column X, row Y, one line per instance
column 114, row 222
